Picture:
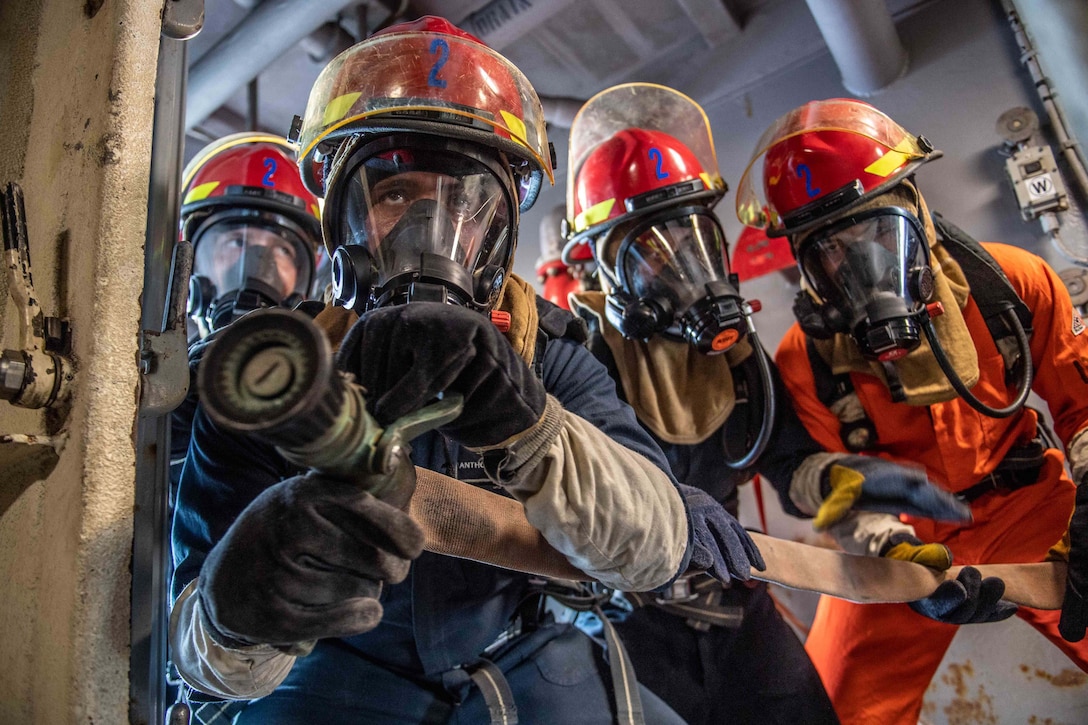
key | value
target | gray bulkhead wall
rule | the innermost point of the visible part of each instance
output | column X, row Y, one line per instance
column 77, row 85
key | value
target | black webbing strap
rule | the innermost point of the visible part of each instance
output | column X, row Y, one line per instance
column 698, row 601
column 990, row 287
column 1019, row 468
column 497, row 694
column 829, row 386
column 588, row 598
column 624, row 683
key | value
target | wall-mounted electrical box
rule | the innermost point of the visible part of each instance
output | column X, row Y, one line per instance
column 1031, row 168
column 1036, row 181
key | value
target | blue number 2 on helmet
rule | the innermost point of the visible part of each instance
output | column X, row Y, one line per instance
column 803, row 170
column 655, row 155
column 442, row 48
column 266, row 180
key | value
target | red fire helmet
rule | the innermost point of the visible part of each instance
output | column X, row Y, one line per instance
column 428, row 76
column 248, row 170
column 821, row 159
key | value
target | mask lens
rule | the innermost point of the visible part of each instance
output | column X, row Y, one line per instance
column 860, row 266
column 673, row 258
column 235, row 252
column 449, row 205
column 853, row 263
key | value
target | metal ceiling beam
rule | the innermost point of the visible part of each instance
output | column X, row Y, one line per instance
column 501, row 22
column 250, row 47
column 714, row 21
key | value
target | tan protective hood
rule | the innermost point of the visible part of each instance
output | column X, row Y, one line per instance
column 680, row 394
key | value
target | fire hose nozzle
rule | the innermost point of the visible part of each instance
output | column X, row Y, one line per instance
column 270, row 374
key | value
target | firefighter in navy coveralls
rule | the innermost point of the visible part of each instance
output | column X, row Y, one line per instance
column 933, row 342
column 671, row 326
column 315, row 597
column 255, row 230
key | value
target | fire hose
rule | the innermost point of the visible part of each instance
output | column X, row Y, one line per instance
column 271, row 374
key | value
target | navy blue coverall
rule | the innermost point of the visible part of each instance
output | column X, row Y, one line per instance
column 414, row 667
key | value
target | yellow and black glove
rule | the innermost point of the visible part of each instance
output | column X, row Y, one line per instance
column 906, row 547
column 872, row 484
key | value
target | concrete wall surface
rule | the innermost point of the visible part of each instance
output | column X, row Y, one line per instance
column 77, row 87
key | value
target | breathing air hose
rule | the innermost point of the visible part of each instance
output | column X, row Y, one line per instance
column 957, row 383
column 770, row 404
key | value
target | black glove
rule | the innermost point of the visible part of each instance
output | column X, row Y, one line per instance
column 1074, row 619
column 967, row 599
column 404, row 356
column 873, row 484
column 721, row 546
column 305, row 560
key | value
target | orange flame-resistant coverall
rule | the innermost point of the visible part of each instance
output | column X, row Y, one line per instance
column 877, row 660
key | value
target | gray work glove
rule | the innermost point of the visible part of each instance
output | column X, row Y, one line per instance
column 721, row 547
column 967, row 599
column 306, row 560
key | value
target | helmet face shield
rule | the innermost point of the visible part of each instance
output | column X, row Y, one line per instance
column 831, row 154
column 235, row 249
column 645, row 106
column 402, row 203
column 636, row 148
column 429, row 73
column 871, row 267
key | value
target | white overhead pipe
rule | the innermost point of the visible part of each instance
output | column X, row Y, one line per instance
column 559, row 111
column 863, row 41
column 240, row 55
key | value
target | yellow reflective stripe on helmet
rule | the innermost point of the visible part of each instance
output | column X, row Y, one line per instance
column 515, row 126
column 339, row 107
column 593, row 215
column 892, row 160
column 197, row 193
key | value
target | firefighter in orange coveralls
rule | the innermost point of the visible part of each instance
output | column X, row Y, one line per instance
column 917, row 344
